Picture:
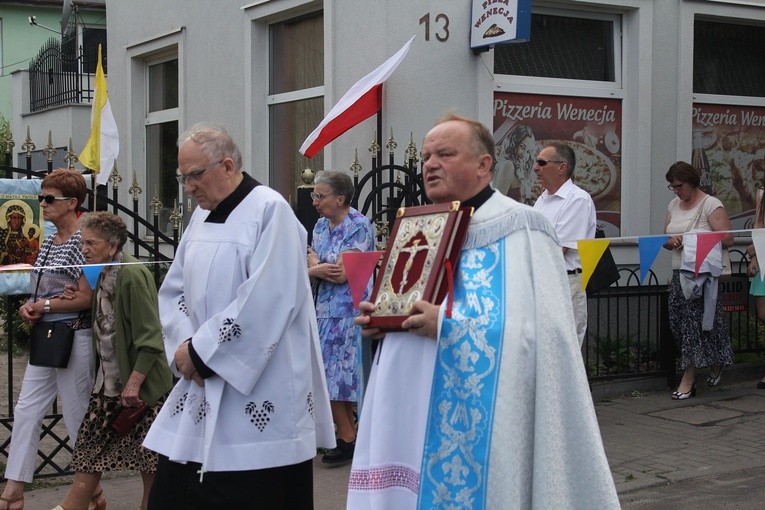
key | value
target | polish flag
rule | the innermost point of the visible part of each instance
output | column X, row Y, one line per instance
column 362, row 101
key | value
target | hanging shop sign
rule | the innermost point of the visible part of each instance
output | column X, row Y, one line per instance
column 499, row 21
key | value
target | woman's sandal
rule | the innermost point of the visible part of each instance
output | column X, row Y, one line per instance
column 99, row 501
column 10, row 503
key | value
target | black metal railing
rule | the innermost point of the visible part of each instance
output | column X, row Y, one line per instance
column 57, row 77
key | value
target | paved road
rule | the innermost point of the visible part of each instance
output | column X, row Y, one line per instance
column 704, row 452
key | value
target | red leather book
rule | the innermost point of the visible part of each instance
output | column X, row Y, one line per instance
column 414, row 264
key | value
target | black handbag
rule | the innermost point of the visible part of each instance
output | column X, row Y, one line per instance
column 50, row 343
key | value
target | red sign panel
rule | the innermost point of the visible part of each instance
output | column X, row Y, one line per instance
column 524, row 123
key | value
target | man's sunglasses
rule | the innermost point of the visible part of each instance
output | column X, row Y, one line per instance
column 50, row 198
column 543, row 162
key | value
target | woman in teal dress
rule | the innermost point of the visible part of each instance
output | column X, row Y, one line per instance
column 341, row 228
column 757, row 285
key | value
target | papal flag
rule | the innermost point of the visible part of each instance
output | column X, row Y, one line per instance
column 103, row 146
column 362, row 100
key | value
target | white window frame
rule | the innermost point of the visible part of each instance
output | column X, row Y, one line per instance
column 557, row 86
column 141, row 54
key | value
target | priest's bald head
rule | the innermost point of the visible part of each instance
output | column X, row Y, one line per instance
column 458, row 159
column 209, row 164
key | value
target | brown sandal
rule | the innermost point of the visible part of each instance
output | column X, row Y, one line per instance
column 98, row 502
column 9, row 503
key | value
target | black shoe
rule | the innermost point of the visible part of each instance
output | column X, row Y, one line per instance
column 761, row 385
column 343, row 453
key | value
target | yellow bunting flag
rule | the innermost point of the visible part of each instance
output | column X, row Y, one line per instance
column 590, row 252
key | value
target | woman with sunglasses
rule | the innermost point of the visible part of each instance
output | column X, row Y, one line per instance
column 692, row 209
column 58, row 264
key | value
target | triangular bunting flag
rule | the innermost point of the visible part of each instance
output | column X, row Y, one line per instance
column 590, row 252
column 648, row 249
column 92, row 272
column 705, row 241
column 359, row 266
column 758, row 240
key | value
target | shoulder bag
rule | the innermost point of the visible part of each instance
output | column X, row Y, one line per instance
column 51, row 341
column 692, row 228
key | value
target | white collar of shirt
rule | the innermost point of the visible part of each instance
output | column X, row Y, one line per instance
column 566, row 188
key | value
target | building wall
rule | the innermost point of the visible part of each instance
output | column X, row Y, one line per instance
column 224, row 66
column 21, row 41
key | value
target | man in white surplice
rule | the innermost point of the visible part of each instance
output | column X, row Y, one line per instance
column 488, row 406
column 241, row 426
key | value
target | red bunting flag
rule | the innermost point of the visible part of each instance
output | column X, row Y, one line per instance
column 359, row 267
column 705, row 241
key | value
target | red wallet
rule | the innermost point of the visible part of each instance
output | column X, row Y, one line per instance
column 125, row 418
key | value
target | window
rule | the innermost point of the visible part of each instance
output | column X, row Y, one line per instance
column 161, row 137
column 296, row 104
column 562, row 47
column 87, row 39
column 728, row 59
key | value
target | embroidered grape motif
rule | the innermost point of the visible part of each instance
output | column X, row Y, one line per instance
column 259, row 415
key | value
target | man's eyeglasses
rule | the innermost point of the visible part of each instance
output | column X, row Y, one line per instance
column 196, row 174
column 50, row 198
column 320, row 196
column 675, row 187
column 543, row 162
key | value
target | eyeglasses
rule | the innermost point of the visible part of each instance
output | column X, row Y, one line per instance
column 50, row 198
column 543, row 162
column 320, row 196
column 675, row 187
column 196, row 174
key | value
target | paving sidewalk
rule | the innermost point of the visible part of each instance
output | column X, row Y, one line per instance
column 649, row 440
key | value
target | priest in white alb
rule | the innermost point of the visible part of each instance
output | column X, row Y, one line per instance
column 488, row 406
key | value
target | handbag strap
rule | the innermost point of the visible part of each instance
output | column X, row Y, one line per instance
column 695, row 221
column 39, row 275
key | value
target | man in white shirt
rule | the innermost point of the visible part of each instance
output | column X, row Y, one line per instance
column 572, row 212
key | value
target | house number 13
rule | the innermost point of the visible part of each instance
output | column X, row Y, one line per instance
column 441, row 26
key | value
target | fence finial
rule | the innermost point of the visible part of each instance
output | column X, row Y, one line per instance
column 49, row 149
column 28, row 146
column 356, row 166
column 71, row 158
column 392, row 144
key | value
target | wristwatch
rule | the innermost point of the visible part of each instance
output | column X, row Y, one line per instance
column 46, row 306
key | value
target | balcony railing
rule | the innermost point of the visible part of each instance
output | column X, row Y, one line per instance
column 57, row 76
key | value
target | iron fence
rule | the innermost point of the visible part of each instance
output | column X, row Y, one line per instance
column 57, row 76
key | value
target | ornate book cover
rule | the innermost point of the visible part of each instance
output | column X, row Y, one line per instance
column 414, row 264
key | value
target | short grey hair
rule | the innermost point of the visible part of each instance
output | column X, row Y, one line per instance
column 108, row 226
column 340, row 183
column 565, row 152
column 214, row 141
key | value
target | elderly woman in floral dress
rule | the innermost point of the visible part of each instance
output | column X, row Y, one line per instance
column 341, row 228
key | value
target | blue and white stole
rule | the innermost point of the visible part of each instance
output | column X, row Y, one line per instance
column 455, row 458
